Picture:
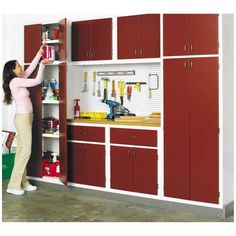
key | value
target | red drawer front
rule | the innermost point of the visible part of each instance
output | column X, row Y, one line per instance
column 85, row 133
column 134, row 137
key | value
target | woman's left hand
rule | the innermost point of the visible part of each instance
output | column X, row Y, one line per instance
column 46, row 62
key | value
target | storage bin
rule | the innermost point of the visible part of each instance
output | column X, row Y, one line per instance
column 7, row 165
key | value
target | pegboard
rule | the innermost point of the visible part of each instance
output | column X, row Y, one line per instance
column 140, row 103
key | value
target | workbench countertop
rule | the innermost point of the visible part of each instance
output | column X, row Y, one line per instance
column 145, row 122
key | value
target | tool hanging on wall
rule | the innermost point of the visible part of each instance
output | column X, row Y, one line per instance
column 94, row 83
column 121, row 86
column 99, row 89
column 85, row 90
column 105, row 79
column 113, row 91
column 137, row 85
column 153, row 83
column 116, row 73
column 129, row 92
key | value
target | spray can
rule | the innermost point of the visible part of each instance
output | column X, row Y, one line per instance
column 76, row 109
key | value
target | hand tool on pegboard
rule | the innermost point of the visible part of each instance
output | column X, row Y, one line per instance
column 121, row 85
column 137, row 85
column 85, row 90
column 99, row 89
column 113, row 91
column 153, row 83
column 129, row 92
column 105, row 79
column 94, row 83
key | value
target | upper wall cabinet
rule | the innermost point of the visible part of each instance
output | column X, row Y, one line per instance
column 92, row 40
column 33, row 40
column 139, row 36
column 190, row 34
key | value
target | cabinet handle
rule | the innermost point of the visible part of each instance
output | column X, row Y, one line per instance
column 129, row 153
column 185, row 64
column 141, row 51
column 185, row 47
column 84, row 149
column 83, row 133
column 81, row 149
column 135, row 51
column 191, row 64
column 87, row 54
column 132, row 136
column 191, row 47
column 134, row 153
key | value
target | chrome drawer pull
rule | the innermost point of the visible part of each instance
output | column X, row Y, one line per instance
column 83, row 133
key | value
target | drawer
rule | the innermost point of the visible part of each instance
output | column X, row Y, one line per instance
column 86, row 133
column 134, row 137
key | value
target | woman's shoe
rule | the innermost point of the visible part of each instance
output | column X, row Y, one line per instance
column 16, row 191
column 30, row 188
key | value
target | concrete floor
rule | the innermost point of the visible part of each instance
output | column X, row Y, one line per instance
column 56, row 203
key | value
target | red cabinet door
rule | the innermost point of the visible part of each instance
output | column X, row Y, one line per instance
column 86, row 164
column 32, row 41
column 203, row 34
column 149, row 36
column 121, row 168
column 80, row 41
column 101, row 39
column 95, row 164
column 62, row 40
column 176, row 128
column 76, row 163
column 144, row 170
column 63, row 125
column 176, row 34
column 74, row 41
column 34, row 166
column 128, row 35
column 204, row 137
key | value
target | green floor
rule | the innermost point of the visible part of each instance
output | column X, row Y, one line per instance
column 68, row 204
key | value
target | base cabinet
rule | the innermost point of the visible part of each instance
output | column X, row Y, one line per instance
column 86, row 164
column 134, row 169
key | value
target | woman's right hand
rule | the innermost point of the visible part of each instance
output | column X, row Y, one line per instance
column 46, row 62
column 41, row 49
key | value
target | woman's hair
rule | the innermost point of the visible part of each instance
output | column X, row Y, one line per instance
column 7, row 76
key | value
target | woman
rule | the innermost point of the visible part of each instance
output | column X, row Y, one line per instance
column 15, row 84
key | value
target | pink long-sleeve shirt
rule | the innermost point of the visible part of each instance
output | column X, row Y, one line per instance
column 19, row 86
